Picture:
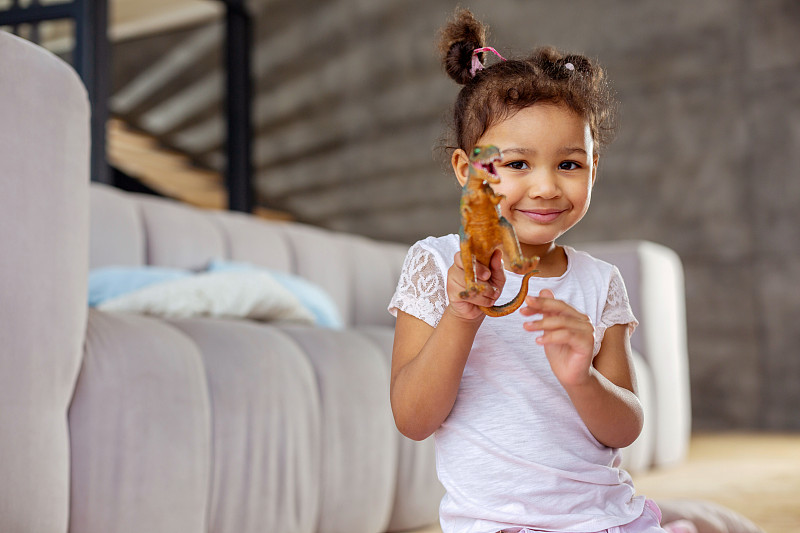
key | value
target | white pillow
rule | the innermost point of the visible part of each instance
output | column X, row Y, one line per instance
column 253, row 295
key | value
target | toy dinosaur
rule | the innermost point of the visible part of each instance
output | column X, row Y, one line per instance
column 483, row 230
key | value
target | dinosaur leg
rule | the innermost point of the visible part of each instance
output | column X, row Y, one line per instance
column 472, row 285
column 513, row 253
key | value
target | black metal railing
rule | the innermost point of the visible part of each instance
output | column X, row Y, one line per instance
column 91, row 58
column 238, row 45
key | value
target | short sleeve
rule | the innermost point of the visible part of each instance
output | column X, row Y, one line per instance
column 617, row 309
column 421, row 290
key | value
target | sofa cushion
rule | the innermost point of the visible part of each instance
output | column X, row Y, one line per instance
column 178, row 235
column 139, row 427
column 322, row 257
column 252, row 240
column 376, row 267
column 253, row 295
column 266, row 444
column 418, row 490
column 116, row 234
column 359, row 452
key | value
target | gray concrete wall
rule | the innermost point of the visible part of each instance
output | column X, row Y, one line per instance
column 707, row 160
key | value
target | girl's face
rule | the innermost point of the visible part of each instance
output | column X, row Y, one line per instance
column 546, row 173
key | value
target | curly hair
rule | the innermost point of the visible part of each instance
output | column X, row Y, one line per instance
column 500, row 90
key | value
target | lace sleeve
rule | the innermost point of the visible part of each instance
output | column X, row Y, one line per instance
column 616, row 311
column 421, row 291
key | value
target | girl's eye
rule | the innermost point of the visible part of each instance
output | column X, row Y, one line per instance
column 517, row 165
column 569, row 165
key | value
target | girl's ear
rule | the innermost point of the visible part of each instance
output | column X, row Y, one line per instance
column 460, row 162
column 596, row 159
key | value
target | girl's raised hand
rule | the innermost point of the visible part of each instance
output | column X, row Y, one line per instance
column 493, row 276
column 568, row 337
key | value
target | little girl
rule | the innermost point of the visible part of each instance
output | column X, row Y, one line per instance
column 528, row 410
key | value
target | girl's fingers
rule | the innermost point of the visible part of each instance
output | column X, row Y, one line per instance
column 554, row 322
column 498, row 275
column 481, row 271
column 565, row 337
column 490, row 282
column 560, row 322
column 483, row 301
column 487, row 298
column 496, row 261
column 457, row 289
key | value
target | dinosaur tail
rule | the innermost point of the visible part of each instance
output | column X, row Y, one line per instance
column 514, row 304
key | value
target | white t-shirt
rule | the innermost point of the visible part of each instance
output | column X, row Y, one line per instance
column 514, row 452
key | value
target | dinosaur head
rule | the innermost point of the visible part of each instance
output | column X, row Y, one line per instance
column 483, row 158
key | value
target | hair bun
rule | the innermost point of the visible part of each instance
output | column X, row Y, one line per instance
column 463, row 34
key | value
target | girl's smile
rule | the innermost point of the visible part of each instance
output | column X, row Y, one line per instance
column 543, row 216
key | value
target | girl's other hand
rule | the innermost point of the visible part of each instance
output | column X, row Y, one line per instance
column 568, row 337
column 493, row 276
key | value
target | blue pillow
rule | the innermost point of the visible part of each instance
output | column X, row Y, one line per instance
column 109, row 282
column 311, row 295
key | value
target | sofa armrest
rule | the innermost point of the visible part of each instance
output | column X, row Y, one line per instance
column 653, row 276
column 44, row 149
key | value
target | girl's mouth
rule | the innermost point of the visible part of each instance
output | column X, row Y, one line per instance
column 542, row 216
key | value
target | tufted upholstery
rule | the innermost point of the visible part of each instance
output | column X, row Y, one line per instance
column 277, row 427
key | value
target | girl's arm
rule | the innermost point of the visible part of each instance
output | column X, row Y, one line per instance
column 427, row 362
column 608, row 403
column 601, row 388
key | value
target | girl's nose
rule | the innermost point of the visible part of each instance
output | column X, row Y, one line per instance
column 544, row 185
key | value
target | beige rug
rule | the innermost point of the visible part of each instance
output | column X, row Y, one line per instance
column 757, row 475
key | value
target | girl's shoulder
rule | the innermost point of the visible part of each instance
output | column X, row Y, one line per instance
column 440, row 244
column 443, row 248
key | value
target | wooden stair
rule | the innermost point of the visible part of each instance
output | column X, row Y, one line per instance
column 170, row 172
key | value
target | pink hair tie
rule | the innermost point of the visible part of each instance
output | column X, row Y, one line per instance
column 476, row 63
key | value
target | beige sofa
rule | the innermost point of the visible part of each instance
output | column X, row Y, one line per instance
column 117, row 422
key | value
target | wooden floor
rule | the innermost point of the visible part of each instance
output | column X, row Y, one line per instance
column 757, row 475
